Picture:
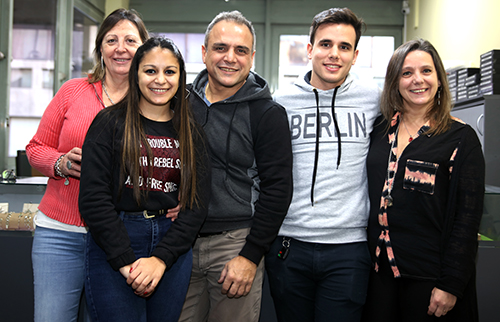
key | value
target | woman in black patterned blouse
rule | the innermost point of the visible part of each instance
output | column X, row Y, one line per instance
column 426, row 185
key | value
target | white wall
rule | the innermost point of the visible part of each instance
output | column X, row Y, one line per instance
column 461, row 30
column 112, row 5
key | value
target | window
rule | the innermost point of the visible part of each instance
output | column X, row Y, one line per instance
column 84, row 35
column 32, row 67
column 190, row 47
column 20, row 77
column 293, row 58
column 32, row 53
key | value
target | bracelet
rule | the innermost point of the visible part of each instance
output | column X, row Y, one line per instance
column 57, row 168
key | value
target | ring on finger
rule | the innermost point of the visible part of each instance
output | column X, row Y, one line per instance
column 68, row 164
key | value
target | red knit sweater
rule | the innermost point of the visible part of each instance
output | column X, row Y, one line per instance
column 63, row 126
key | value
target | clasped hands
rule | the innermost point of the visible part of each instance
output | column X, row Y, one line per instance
column 144, row 274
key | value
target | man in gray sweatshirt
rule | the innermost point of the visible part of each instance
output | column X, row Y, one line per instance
column 319, row 264
column 250, row 148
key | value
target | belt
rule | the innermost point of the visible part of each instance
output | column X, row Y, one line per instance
column 202, row 235
column 148, row 213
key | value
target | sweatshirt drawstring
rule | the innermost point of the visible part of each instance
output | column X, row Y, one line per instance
column 337, row 129
column 318, row 133
column 316, row 150
column 228, row 139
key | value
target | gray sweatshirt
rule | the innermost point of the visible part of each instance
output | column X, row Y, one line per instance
column 330, row 201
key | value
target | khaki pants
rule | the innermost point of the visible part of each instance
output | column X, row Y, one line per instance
column 204, row 300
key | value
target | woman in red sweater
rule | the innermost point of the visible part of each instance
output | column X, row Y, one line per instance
column 55, row 150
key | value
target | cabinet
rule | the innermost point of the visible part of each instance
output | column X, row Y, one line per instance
column 483, row 114
column 488, row 261
column 15, row 252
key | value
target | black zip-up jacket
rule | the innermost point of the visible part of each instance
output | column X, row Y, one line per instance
column 250, row 146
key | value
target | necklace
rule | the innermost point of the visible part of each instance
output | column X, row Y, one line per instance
column 411, row 137
column 388, row 198
column 390, row 183
column 105, row 91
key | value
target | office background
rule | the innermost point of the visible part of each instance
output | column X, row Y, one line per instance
column 43, row 43
column 47, row 42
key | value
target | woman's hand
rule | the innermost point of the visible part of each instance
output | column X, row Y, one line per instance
column 145, row 274
column 441, row 302
column 125, row 270
column 71, row 163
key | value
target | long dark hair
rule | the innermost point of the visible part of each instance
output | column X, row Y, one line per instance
column 182, row 120
column 391, row 100
column 111, row 20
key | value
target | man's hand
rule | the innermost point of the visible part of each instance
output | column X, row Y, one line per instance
column 173, row 213
column 441, row 302
column 237, row 277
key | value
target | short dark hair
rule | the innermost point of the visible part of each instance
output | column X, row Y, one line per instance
column 337, row 16
column 391, row 99
column 233, row 16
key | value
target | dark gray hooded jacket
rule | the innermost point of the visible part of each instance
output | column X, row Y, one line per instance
column 249, row 140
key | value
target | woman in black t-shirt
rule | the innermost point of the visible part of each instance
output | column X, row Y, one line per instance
column 141, row 157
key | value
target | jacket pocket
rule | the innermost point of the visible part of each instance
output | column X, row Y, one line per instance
column 420, row 176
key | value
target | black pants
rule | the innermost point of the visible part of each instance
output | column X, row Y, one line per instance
column 407, row 300
column 319, row 282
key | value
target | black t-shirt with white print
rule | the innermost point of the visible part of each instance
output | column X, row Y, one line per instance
column 105, row 191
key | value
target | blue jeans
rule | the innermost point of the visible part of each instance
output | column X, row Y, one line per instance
column 319, row 282
column 110, row 298
column 59, row 273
